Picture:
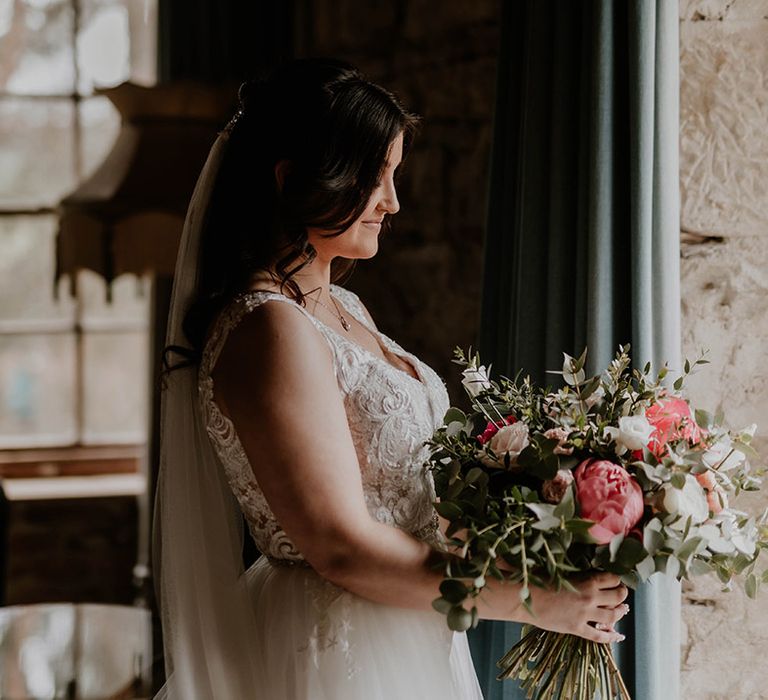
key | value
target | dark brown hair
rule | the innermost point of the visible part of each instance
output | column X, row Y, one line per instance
column 335, row 128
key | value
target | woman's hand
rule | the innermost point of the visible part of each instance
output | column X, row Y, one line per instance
column 590, row 612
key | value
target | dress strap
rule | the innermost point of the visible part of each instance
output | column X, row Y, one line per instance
column 352, row 303
column 233, row 314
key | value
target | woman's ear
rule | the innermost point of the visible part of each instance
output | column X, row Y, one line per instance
column 282, row 168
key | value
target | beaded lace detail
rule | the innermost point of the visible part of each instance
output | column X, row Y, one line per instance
column 390, row 414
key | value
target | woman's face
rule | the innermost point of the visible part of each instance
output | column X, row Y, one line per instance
column 361, row 239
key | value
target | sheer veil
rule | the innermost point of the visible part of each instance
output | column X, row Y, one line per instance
column 208, row 620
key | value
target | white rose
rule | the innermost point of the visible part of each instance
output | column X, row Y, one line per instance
column 475, row 380
column 633, row 433
column 510, row 440
column 722, row 456
column 687, row 502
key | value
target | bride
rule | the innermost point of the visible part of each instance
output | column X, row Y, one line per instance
column 290, row 410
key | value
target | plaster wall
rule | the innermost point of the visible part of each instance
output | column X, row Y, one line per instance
column 724, row 188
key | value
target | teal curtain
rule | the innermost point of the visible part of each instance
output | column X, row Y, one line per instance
column 582, row 245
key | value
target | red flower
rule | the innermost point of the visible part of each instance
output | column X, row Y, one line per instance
column 672, row 420
column 493, row 427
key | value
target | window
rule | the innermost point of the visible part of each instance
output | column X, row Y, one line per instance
column 73, row 369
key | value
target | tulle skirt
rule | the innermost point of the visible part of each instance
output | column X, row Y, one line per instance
column 324, row 643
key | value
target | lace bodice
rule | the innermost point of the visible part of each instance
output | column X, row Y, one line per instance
column 390, row 415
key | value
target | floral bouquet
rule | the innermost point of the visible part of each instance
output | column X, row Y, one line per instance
column 609, row 473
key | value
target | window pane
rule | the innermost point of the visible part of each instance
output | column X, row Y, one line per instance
column 128, row 308
column 115, row 381
column 37, row 390
column 115, row 360
column 103, row 45
column 36, row 47
column 143, row 20
column 37, row 158
column 27, row 268
column 100, row 123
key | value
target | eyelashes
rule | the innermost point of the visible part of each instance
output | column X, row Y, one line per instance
column 395, row 177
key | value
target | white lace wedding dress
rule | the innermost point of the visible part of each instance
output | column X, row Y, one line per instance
column 320, row 641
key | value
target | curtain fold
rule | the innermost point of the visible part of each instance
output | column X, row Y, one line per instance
column 582, row 244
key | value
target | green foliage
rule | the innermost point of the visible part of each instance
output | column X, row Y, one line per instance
column 502, row 528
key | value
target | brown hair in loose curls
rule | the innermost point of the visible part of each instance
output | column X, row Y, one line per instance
column 335, row 128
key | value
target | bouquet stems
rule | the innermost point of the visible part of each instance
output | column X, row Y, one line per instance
column 554, row 666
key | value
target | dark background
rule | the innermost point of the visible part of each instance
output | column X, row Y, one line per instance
column 424, row 286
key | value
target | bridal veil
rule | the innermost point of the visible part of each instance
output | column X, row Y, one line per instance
column 208, row 620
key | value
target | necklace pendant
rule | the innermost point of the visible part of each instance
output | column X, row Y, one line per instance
column 344, row 323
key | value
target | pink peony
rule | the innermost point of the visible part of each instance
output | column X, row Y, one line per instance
column 493, row 427
column 671, row 420
column 609, row 496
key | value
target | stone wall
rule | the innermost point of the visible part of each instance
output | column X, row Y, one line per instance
column 423, row 286
column 724, row 187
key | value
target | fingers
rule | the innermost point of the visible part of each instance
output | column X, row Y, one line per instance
column 609, row 616
column 611, row 597
column 602, row 636
column 605, row 580
column 600, row 583
column 606, row 587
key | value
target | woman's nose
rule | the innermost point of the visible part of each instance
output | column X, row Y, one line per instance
column 389, row 202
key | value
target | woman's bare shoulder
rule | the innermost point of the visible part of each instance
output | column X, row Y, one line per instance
column 275, row 342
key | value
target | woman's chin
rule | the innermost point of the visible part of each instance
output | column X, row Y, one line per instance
column 364, row 251
column 360, row 247
column 371, row 252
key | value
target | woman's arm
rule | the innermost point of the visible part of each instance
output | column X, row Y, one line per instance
column 275, row 380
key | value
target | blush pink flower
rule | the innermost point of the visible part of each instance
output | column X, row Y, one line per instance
column 609, row 496
column 671, row 420
column 553, row 490
column 493, row 427
column 561, row 435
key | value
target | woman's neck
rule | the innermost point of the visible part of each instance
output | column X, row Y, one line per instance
column 313, row 277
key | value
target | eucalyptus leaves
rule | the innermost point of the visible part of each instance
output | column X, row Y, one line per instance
column 613, row 472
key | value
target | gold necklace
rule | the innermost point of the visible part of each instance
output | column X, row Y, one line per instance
column 343, row 321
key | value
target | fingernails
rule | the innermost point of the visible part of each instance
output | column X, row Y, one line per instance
column 626, row 608
column 619, row 638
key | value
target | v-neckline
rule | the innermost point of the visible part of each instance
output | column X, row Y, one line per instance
column 379, row 336
column 419, row 378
